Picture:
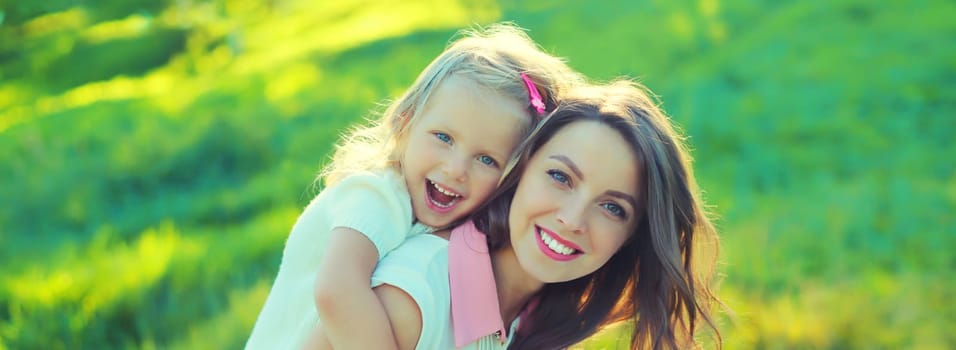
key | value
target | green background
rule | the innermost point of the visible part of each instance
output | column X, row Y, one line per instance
column 154, row 154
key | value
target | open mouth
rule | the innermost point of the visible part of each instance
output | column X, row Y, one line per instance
column 439, row 198
column 554, row 247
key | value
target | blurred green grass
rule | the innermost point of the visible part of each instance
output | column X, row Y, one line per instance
column 154, row 155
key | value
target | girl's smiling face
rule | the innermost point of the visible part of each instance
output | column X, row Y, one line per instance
column 576, row 203
column 455, row 152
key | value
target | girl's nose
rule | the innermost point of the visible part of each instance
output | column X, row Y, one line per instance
column 456, row 167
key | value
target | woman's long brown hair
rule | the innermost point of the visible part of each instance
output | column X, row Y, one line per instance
column 652, row 280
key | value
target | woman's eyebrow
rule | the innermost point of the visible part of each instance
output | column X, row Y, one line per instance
column 624, row 196
column 574, row 168
column 567, row 161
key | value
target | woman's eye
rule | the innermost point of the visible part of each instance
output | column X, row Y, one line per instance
column 615, row 209
column 559, row 176
column 443, row 137
column 486, row 160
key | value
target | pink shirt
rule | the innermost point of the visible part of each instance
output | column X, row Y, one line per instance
column 475, row 312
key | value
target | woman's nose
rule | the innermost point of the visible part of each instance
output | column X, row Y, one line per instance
column 571, row 215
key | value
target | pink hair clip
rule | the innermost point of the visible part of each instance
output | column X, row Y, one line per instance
column 535, row 97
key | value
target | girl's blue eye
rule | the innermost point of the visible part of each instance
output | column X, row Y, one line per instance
column 486, row 160
column 559, row 176
column 614, row 209
column 443, row 137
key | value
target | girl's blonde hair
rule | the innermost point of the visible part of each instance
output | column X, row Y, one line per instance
column 493, row 57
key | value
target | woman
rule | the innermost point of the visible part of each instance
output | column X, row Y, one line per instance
column 598, row 221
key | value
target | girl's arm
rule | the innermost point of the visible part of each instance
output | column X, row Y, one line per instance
column 352, row 316
column 403, row 314
column 317, row 340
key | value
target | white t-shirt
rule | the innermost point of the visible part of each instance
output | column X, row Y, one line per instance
column 375, row 204
column 420, row 268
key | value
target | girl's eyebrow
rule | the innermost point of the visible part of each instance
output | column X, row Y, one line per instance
column 567, row 161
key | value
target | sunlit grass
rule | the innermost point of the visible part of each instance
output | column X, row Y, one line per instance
column 84, row 284
column 158, row 85
column 10, row 93
column 824, row 316
column 289, row 82
column 221, row 330
column 357, row 24
column 856, row 313
column 131, row 26
column 824, row 158
column 100, row 274
column 247, row 50
column 71, row 19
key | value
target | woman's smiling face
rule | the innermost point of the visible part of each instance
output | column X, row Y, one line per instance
column 576, row 203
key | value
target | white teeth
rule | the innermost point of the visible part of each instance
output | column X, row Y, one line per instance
column 555, row 246
column 444, row 191
column 454, row 196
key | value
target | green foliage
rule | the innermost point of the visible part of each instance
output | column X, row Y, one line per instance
column 18, row 12
column 116, row 57
column 154, row 155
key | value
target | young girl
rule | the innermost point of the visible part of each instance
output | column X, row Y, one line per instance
column 436, row 153
column 599, row 221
